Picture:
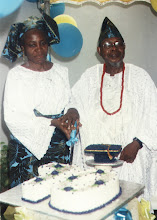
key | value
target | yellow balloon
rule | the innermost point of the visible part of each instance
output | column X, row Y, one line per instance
column 65, row 19
column 154, row 4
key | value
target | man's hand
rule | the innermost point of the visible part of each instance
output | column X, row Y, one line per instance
column 129, row 153
column 68, row 120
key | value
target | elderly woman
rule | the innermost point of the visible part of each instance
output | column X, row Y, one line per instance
column 117, row 103
column 36, row 94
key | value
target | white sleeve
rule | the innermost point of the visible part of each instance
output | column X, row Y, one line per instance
column 145, row 109
column 33, row 132
column 148, row 128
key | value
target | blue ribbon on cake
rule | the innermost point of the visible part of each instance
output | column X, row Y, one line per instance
column 123, row 214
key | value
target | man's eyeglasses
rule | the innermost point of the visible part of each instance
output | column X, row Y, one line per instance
column 116, row 44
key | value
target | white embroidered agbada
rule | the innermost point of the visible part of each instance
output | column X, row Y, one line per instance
column 137, row 118
column 26, row 90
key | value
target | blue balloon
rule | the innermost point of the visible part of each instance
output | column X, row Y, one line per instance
column 57, row 9
column 7, row 7
column 71, row 40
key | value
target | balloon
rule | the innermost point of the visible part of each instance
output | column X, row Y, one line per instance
column 32, row 0
column 57, row 9
column 154, row 4
column 65, row 19
column 71, row 41
column 7, row 7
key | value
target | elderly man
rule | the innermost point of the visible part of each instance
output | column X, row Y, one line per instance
column 117, row 103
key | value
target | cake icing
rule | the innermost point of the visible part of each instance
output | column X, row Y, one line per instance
column 38, row 188
column 35, row 190
column 86, row 192
column 71, row 189
column 47, row 169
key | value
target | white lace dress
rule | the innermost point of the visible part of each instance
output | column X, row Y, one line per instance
column 26, row 90
column 137, row 118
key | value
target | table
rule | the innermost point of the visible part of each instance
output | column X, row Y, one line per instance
column 129, row 191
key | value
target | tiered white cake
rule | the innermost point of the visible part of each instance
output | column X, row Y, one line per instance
column 85, row 192
column 39, row 188
column 71, row 189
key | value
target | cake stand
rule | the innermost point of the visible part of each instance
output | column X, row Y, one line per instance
column 116, row 163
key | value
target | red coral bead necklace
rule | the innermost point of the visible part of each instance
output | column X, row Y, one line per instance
column 121, row 96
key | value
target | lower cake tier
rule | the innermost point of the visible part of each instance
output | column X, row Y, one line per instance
column 86, row 193
column 38, row 188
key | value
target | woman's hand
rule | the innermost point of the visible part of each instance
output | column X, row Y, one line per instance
column 68, row 120
column 64, row 128
column 129, row 153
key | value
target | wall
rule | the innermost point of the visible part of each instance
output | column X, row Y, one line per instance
column 137, row 23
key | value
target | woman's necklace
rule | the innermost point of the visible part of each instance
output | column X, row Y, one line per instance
column 121, row 96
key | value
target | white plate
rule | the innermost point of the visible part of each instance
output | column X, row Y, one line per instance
column 117, row 163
